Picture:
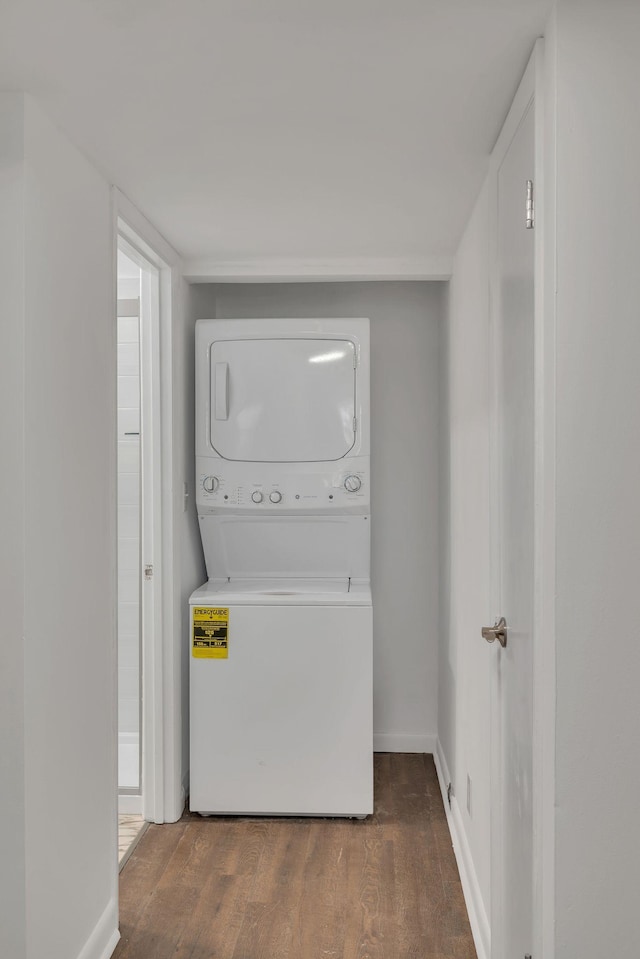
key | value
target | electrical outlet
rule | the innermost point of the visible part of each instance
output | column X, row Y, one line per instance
column 468, row 793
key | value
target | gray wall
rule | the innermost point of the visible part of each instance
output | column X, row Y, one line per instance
column 59, row 337
column 597, row 480
column 193, row 572
column 12, row 511
column 406, row 320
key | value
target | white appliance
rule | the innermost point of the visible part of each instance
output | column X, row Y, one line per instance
column 281, row 634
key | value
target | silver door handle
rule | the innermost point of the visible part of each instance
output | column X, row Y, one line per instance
column 499, row 632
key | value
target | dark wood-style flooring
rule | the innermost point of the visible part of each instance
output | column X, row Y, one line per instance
column 226, row 888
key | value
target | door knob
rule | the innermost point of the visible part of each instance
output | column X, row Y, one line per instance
column 499, row 632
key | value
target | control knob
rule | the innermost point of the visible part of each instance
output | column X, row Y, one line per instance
column 256, row 496
column 352, row 483
column 211, row 483
column 276, row 496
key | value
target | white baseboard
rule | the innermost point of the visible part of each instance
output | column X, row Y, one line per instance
column 128, row 760
column 128, row 738
column 470, row 886
column 105, row 936
column 130, row 805
column 404, row 743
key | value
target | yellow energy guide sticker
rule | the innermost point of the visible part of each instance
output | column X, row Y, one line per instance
column 210, row 633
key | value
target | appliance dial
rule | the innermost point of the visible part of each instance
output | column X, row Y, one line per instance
column 352, row 484
column 211, row 483
column 256, row 496
column 276, row 496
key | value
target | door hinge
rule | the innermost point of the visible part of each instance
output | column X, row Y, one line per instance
column 355, row 424
column 530, row 221
column 148, row 572
column 449, row 792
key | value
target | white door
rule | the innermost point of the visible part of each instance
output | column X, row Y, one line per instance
column 513, row 523
column 282, row 399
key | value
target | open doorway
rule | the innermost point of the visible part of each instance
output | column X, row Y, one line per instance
column 130, row 821
column 139, row 533
column 163, row 499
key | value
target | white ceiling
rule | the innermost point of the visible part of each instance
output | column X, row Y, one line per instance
column 246, row 129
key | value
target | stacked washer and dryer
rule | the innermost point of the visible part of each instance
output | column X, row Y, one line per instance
column 281, row 634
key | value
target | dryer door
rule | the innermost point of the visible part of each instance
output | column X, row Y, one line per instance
column 282, row 400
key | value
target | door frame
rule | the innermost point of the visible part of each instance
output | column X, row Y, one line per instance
column 163, row 793
column 532, row 88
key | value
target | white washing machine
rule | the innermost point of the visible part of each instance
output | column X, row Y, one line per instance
column 281, row 634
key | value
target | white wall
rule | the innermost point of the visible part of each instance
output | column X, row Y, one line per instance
column 193, row 571
column 65, row 424
column 406, row 320
column 465, row 661
column 598, row 480
column 12, row 508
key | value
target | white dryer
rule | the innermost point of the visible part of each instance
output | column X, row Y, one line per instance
column 281, row 634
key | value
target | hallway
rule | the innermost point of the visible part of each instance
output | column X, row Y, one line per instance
column 384, row 888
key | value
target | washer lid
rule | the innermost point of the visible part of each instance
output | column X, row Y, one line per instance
column 283, row 399
column 283, row 592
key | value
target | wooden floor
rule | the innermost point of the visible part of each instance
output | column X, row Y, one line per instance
column 226, row 888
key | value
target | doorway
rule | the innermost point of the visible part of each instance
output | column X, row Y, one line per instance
column 128, row 466
column 139, row 534
column 164, row 500
column 129, row 526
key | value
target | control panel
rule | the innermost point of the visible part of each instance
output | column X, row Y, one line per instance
column 272, row 487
